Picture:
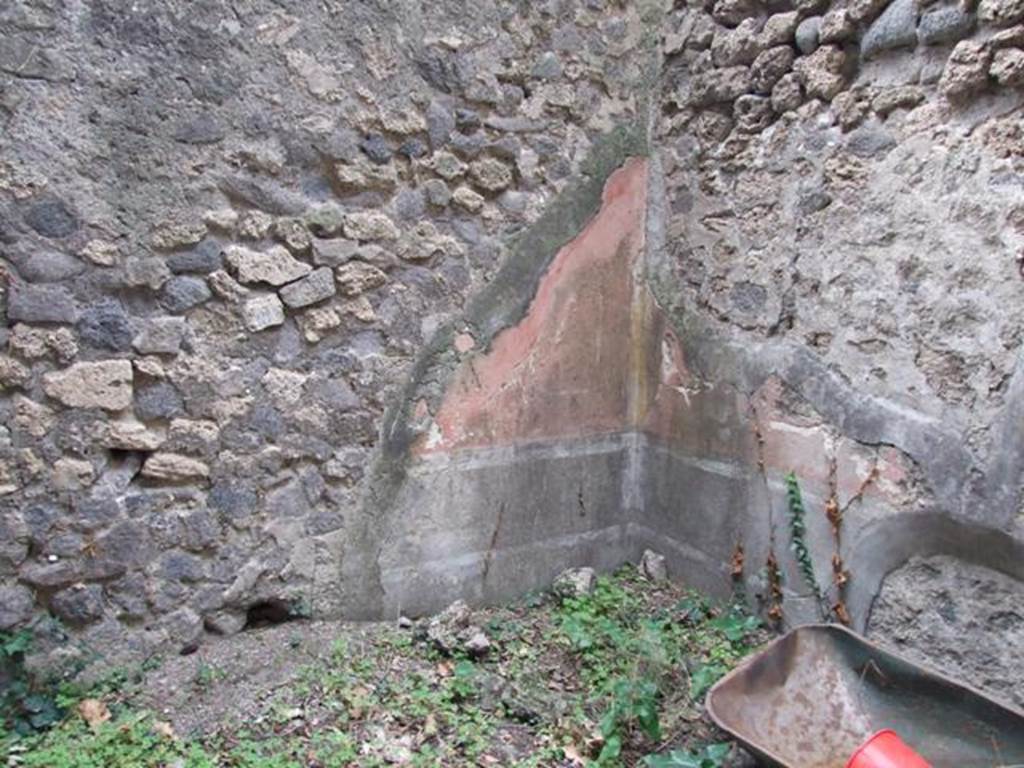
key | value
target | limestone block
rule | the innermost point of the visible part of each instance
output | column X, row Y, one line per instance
column 966, row 71
column 720, row 85
column 106, row 385
column 174, row 467
column 575, row 582
column 149, row 272
column 160, row 336
column 732, row 12
column 275, row 266
column 424, row 241
column 491, row 174
column 102, row 253
column 71, row 474
column 314, row 287
column 447, row 166
column 836, row 27
column 752, row 113
column 13, row 375
column 226, row 287
column 1001, row 13
column 737, row 46
column 466, row 198
column 769, row 67
column 821, row 73
column 261, row 312
column 364, row 175
column 357, row 277
column 779, row 29
column 787, row 94
column 1008, row 67
column 370, row 225
column 653, row 566
column 129, row 435
column 175, row 233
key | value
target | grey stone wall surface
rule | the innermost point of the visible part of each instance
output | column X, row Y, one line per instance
column 228, row 232
column 840, row 249
column 927, row 607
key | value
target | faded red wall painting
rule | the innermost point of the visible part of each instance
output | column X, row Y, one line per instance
column 564, row 370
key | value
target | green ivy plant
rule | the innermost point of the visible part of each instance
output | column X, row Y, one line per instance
column 712, row 756
column 634, row 703
column 736, row 626
column 798, row 532
column 704, row 677
column 26, row 704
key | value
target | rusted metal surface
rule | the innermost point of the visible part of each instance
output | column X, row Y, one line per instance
column 813, row 696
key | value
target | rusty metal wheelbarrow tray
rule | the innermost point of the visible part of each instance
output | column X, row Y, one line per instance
column 810, row 698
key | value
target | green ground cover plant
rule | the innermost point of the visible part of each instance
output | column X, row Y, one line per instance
column 609, row 679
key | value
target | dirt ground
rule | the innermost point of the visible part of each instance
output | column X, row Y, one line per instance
column 610, row 676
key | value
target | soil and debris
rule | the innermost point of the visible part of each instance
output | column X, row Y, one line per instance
column 599, row 670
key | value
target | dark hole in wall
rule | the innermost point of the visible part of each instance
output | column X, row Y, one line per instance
column 124, row 466
column 120, row 455
column 267, row 613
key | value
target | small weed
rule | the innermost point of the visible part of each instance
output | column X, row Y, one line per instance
column 736, row 626
column 334, row 749
column 128, row 743
column 339, row 651
column 463, row 683
column 634, row 703
column 207, row 675
column 629, row 656
column 704, row 677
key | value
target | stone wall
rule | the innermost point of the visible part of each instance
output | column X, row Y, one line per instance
column 930, row 605
column 229, row 231
column 840, row 253
column 353, row 309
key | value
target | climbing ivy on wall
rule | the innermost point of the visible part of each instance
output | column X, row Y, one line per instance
column 798, row 534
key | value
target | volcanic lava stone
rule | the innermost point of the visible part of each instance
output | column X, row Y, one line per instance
column 158, row 400
column 412, row 148
column 106, row 325
column 377, row 149
column 51, row 217
column 183, row 293
column 204, row 258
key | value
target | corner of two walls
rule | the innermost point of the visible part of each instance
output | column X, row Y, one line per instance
column 516, row 454
column 883, row 483
column 604, row 422
column 576, row 435
column 605, row 377
column 549, row 443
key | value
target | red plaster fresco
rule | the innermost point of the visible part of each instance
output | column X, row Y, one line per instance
column 595, row 355
column 564, row 370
